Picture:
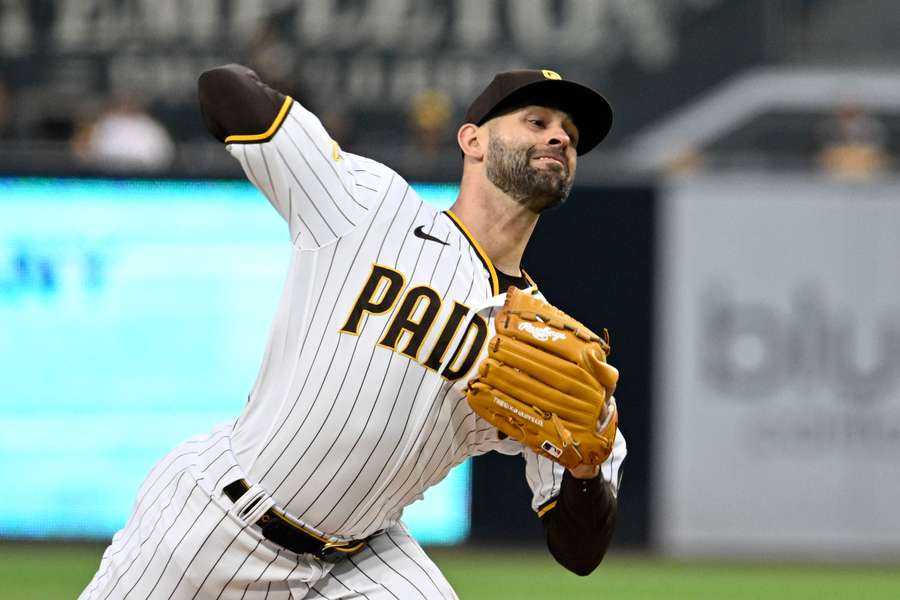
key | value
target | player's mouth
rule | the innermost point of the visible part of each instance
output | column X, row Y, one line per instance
column 550, row 159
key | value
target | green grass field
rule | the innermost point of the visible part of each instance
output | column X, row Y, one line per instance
column 48, row 572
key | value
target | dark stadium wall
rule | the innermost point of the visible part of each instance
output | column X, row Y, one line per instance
column 594, row 257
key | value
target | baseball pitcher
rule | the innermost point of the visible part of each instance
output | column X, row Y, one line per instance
column 406, row 340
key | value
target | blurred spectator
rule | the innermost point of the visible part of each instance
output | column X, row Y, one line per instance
column 279, row 63
column 430, row 116
column 125, row 138
column 274, row 60
column 853, row 144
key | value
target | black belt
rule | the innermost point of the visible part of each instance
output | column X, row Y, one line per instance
column 285, row 531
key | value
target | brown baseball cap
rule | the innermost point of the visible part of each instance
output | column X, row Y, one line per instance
column 590, row 111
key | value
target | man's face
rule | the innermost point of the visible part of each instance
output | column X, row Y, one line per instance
column 531, row 156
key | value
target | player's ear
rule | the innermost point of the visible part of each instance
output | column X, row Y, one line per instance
column 470, row 142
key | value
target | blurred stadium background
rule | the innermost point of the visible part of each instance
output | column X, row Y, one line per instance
column 739, row 234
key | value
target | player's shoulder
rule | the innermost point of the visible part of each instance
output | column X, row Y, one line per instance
column 392, row 193
column 363, row 167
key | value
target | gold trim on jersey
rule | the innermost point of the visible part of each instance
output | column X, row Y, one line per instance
column 262, row 137
column 495, row 281
column 546, row 508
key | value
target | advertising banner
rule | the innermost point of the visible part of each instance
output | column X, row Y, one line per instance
column 133, row 315
column 778, row 395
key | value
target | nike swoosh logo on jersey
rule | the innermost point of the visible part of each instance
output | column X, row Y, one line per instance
column 421, row 234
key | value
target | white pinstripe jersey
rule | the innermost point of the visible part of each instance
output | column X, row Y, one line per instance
column 359, row 404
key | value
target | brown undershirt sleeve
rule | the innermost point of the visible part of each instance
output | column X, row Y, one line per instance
column 580, row 526
column 233, row 101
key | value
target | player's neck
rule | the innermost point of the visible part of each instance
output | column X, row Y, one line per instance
column 499, row 224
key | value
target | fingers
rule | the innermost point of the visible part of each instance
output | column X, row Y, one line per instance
column 605, row 374
column 556, row 372
column 532, row 392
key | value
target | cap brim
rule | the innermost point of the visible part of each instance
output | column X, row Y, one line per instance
column 591, row 112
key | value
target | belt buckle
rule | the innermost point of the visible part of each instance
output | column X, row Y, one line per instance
column 343, row 548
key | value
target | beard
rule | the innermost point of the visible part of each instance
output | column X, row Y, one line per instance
column 509, row 168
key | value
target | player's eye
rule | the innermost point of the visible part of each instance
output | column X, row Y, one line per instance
column 536, row 122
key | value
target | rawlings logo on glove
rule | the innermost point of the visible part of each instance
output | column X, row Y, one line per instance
column 542, row 333
column 546, row 383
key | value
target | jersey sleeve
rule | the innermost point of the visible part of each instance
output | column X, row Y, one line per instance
column 544, row 476
column 320, row 190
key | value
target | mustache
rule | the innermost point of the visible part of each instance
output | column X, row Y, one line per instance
column 533, row 152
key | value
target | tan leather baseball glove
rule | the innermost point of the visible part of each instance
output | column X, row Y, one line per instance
column 546, row 383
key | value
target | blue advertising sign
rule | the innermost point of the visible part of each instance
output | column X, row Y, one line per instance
column 133, row 315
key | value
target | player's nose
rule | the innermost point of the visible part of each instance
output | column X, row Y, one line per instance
column 558, row 138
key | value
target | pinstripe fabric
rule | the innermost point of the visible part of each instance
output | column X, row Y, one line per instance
column 343, row 428
column 183, row 540
column 393, row 566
